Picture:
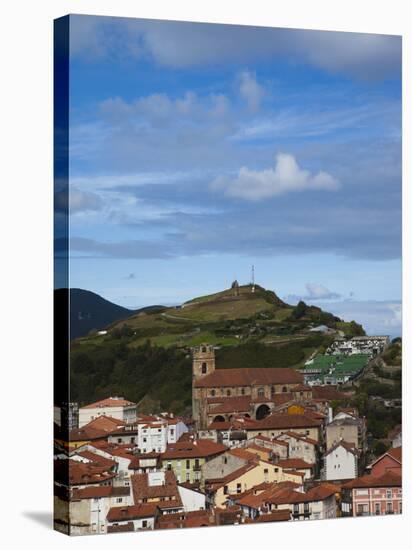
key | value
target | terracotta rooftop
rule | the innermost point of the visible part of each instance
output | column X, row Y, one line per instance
column 109, row 402
column 142, row 489
column 230, row 404
column 96, row 459
column 249, row 377
column 138, row 511
column 199, row 448
column 395, row 453
column 284, row 421
column 98, row 428
column 327, row 393
column 294, row 463
column 73, row 472
column 103, row 491
column 196, row 518
column 389, row 479
column 276, row 515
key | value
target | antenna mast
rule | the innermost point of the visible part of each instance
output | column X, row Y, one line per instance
column 253, row 278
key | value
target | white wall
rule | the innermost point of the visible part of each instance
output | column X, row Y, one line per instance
column 191, row 500
column 340, row 464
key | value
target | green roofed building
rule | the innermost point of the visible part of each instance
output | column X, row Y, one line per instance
column 333, row 369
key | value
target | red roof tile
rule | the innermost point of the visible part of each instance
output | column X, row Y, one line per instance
column 249, row 377
column 123, row 513
column 199, row 448
column 109, row 402
column 388, row 479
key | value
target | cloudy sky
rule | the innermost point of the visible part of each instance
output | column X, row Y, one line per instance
column 197, row 150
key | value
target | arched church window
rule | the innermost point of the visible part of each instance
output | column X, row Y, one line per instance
column 204, row 368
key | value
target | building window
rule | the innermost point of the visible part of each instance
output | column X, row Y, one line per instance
column 238, row 487
column 228, row 393
column 144, row 523
column 187, row 476
column 204, row 368
column 212, row 393
column 119, row 499
column 377, row 509
column 225, row 490
column 242, row 391
column 389, row 494
column 261, row 392
column 284, row 389
column 389, row 508
column 187, row 464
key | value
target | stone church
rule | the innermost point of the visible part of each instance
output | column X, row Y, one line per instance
column 218, row 394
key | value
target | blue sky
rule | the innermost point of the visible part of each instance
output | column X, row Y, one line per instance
column 197, row 150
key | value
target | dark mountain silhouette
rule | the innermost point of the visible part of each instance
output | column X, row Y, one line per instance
column 89, row 311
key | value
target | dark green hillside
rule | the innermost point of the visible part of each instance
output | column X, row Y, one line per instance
column 146, row 357
column 89, row 311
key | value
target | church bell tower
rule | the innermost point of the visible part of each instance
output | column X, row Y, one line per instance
column 203, row 361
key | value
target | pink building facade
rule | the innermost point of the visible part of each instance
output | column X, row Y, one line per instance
column 373, row 495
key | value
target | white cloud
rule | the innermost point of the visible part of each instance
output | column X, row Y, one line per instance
column 250, row 90
column 81, row 201
column 286, row 177
column 178, row 44
column 319, row 292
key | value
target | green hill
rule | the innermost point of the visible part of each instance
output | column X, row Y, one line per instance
column 147, row 355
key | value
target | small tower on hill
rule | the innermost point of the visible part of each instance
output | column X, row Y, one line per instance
column 203, row 361
column 235, row 287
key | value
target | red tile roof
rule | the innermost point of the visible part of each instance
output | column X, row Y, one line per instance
column 327, row 393
column 249, row 377
column 98, row 428
column 109, row 402
column 276, row 515
column 281, row 421
column 97, row 460
column 138, row 511
column 103, row 491
column 388, row 479
column 294, row 463
column 196, row 518
column 395, row 453
column 72, row 472
column 230, row 404
column 199, row 448
column 142, row 489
